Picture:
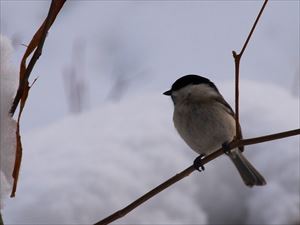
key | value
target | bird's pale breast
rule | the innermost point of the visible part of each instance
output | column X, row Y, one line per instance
column 204, row 126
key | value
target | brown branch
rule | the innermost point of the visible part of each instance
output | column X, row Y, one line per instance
column 237, row 58
column 36, row 44
column 1, row 221
column 189, row 170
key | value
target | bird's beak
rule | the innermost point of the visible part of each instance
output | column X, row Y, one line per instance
column 169, row 92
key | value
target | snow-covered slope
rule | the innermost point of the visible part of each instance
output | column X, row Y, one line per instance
column 85, row 167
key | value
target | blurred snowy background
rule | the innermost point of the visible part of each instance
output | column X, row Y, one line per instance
column 97, row 133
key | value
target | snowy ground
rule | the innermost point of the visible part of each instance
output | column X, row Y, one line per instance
column 85, row 167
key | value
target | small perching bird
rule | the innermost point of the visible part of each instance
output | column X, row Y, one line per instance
column 206, row 122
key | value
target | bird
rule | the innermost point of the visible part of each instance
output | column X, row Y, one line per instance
column 206, row 122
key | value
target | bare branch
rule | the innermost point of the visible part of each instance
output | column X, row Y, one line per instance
column 253, row 27
column 36, row 44
column 189, row 170
column 1, row 221
column 237, row 58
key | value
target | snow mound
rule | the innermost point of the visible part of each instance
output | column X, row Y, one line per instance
column 85, row 167
column 8, row 86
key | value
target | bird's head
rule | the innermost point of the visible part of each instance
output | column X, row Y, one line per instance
column 192, row 88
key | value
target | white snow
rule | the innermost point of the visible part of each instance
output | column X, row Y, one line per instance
column 85, row 167
column 8, row 84
column 275, row 205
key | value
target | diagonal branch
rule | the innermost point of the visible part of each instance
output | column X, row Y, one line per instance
column 237, row 58
column 253, row 27
column 189, row 170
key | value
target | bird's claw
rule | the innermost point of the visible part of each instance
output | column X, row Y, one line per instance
column 198, row 164
column 226, row 148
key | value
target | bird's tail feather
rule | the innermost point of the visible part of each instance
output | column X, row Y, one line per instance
column 248, row 173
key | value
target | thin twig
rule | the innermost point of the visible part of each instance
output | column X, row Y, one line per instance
column 1, row 221
column 237, row 95
column 23, row 84
column 37, row 53
column 253, row 27
column 36, row 45
column 237, row 58
column 189, row 170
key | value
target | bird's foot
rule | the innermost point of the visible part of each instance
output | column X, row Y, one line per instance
column 198, row 164
column 226, row 148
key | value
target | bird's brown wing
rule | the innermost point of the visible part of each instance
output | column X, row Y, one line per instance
column 228, row 108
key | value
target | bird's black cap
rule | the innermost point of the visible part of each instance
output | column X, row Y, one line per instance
column 187, row 80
